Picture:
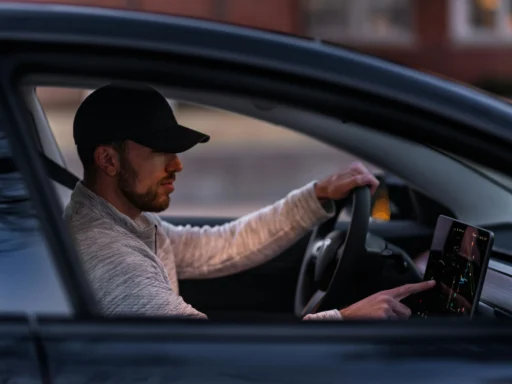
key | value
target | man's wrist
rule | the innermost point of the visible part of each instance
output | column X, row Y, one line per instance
column 321, row 192
column 343, row 312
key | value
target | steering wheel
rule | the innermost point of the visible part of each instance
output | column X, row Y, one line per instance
column 330, row 264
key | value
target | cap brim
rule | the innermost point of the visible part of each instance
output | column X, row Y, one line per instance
column 179, row 142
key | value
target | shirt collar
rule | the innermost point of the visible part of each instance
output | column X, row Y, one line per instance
column 83, row 198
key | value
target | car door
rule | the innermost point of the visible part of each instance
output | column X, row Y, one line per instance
column 377, row 110
column 66, row 341
column 143, row 351
column 86, row 347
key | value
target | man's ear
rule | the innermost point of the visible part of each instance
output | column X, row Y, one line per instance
column 107, row 159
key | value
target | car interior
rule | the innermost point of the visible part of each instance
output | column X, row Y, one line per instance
column 420, row 180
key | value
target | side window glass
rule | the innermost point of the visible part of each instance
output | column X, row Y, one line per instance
column 246, row 165
column 28, row 280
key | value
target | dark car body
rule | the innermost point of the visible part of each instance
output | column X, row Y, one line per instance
column 84, row 347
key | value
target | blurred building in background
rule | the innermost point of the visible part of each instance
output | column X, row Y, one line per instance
column 465, row 40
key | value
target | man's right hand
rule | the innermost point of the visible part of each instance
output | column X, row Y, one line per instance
column 386, row 304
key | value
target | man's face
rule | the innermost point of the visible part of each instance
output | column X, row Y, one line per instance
column 146, row 178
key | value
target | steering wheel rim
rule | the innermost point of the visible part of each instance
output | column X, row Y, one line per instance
column 331, row 257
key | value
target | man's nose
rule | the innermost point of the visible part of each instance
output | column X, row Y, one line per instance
column 175, row 164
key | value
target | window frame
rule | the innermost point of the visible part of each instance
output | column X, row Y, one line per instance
column 20, row 130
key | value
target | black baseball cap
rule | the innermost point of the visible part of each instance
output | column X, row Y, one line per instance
column 116, row 112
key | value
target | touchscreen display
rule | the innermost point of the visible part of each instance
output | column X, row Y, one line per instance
column 458, row 261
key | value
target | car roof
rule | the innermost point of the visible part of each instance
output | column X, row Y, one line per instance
column 100, row 27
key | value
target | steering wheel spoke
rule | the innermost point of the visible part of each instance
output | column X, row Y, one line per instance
column 313, row 303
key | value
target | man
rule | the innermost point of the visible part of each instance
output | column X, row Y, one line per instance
column 128, row 141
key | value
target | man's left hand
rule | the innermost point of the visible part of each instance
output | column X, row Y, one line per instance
column 339, row 185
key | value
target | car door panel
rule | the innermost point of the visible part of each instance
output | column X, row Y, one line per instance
column 147, row 351
column 18, row 355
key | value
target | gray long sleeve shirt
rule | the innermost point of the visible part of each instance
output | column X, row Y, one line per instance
column 134, row 265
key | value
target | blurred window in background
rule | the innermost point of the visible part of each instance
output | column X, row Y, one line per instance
column 327, row 19
column 481, row 21
column 387, row 18
column 484, row 14
column 360, row 21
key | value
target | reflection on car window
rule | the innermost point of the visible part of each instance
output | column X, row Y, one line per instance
column 28, row 282
column 17, row 217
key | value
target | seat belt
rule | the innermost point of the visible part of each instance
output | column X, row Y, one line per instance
column 59, row 173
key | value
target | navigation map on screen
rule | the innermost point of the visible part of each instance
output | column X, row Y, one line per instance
column 457, row 261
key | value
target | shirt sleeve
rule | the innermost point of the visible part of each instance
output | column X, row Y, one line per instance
column 128, row 284
column 333, row 314
column 207, row 252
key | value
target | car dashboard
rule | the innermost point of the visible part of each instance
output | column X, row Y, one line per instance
column 496, row 298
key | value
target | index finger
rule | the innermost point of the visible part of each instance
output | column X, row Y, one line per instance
column 402, row 292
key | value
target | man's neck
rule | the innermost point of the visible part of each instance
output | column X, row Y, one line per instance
column 114, row 197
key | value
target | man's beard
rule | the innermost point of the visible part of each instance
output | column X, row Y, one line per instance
column 149, row 201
